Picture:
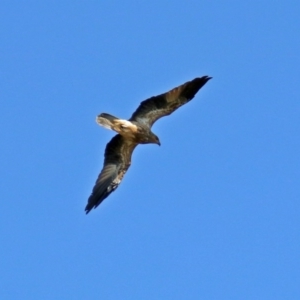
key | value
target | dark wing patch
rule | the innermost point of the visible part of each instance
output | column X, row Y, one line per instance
column 117, row 161
column 162, row 105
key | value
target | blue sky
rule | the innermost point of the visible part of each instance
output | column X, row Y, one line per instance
column 211, row 214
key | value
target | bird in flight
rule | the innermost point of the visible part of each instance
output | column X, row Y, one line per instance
column 137, row 130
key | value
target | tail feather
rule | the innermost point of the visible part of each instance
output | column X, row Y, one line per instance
column 106, row 120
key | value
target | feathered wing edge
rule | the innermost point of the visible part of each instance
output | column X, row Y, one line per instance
column 152, row 109
column 117, row 161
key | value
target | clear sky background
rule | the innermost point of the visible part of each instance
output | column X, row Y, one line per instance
column 211, row 214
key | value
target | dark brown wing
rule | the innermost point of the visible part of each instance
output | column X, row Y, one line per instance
column 162, row 105
column 117, row 161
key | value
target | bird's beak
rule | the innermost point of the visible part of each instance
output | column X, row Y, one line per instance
column 158, row 143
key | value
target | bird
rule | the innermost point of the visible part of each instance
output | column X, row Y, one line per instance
column 135, row 131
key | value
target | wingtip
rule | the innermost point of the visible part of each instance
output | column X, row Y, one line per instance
column 87, row 209
column 202, row 80
column 206, row 77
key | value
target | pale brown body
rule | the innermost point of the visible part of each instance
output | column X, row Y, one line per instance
column 130, row 130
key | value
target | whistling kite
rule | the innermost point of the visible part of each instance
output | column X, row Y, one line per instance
column 137, row 130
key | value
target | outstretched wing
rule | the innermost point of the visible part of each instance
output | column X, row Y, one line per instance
column 162, row 105
column 117, row 161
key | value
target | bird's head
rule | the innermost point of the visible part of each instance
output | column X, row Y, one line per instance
column 153, row 139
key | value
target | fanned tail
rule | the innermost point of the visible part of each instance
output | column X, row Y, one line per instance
column 106, row 120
